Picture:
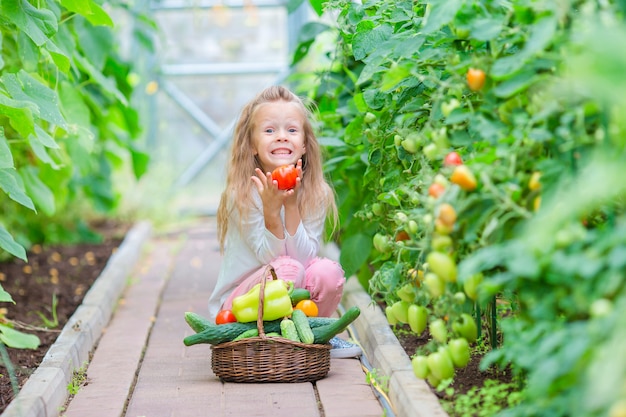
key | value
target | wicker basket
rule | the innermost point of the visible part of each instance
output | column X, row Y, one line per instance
column 263, row 359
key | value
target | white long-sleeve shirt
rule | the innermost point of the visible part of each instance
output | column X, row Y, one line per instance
column 253, row 246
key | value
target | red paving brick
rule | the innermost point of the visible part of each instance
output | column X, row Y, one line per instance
column 170, row 379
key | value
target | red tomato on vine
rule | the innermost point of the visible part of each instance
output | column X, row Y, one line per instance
column 452, row 159
column 285, row 176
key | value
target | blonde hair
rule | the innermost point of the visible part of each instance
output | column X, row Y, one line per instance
column 314, row 193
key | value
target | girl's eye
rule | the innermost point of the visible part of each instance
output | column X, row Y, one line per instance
column 293, row 130
column 269, row 130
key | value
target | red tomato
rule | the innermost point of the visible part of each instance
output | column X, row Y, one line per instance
column 452, row 159
column 225, row 316
column 286, row 176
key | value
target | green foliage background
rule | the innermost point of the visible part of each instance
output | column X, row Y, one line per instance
column 67, row 122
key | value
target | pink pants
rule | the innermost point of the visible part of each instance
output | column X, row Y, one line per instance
column 323, row 277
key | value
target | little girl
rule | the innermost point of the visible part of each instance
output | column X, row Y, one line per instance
column 259, row 224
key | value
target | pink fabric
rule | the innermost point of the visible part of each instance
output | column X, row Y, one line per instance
column 323, row 277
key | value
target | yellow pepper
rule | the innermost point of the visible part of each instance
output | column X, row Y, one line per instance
column 277, row 302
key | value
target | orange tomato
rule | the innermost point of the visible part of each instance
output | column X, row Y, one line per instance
column 402, row 236
column 308, row 307
column 436, row 189
column 447, row 214
column 464, row 178
column 475, row 79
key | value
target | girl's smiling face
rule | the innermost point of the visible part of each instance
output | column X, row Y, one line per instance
column 278, row 134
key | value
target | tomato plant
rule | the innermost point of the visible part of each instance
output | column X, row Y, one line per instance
column 522, row 123
column 225, row 316
column 286, row 176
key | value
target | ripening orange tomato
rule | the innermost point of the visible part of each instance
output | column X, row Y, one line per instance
column 464, row 178
column 447, row 214
column 436, row 189
column 308, row 307
column 475, row 79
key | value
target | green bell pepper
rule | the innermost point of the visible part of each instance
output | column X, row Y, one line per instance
column 277, row 302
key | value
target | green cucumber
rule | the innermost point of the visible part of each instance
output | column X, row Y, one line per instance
column 215, row 334
column 197, row 322
column 248, row 333
column 302, row 326
column 288, row 330
column 323, row 334
column 299, row 294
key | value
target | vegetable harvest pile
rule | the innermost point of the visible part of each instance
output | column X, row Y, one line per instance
column 287, row 313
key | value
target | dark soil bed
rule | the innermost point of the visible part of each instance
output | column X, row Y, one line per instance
column 67, row 271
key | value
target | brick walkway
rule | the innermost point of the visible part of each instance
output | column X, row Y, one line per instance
column 142, row 368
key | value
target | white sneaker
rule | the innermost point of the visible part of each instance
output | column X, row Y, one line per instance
column 342, row 349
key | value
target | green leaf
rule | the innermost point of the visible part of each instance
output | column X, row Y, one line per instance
column 39, row 192
column 515, row 85
column 20, row 114
column 18, row 340
column 95, row 43
column 23, row 87
column 45, row 139
column 306, row 37
column 507, row 65
column 354, row 252
column 12, row 184
column 318, row 6
column 90, row 9
column 107, row 84
column 366, row 41
column 394, row 76
column 40, row 151
column 60, row 58
column 6, row 157
column 38, row 24
column 74, row 107
column 140, row 162
column 5, row 297
column 486, row 29
column 541, row 35
column 10, row 245
column 441, row 13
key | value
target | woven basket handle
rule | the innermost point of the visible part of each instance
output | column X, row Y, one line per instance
column 259, row 319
